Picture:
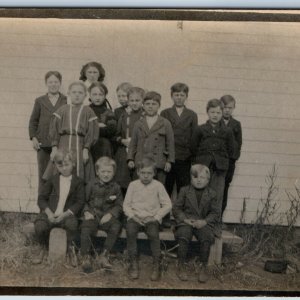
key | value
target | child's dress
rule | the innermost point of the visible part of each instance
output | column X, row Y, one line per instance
column 74, row 128
column 125, row 127
column 103, row 146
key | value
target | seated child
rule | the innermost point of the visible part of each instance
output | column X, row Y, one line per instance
column 103, row 210
column 146, row 203
column 122, row 94
column 61, row 200
column 235, row 125
column 197, row 213
column 106, row 121
column 152, row 135
column 212, row 145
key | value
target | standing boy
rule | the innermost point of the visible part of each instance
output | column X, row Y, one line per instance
column 197, row 212
column 212, row 145
column 146, row 203
column 152, row 135
column 60, row 201
column 235, row 125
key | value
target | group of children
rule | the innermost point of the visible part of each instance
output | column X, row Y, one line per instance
column 91, row 158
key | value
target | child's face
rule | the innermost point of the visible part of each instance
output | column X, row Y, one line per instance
column 77, row 94
column 122, row 97
column 215, row 114
column 135, row 101
column 65, row 167
column 228, row 110
column 199, row 180
column 146, row 175
column 92, row 74
column 105, row 173
column 97, row 96
column 151, row 107
column 53, row 84
column 179, row 98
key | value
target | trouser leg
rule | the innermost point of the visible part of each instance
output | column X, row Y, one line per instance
column 152, row 231
column 88, row 229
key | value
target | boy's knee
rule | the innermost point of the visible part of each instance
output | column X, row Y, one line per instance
column 205, row 235
column 184, row 232
column 115, row 227
column 71, row 223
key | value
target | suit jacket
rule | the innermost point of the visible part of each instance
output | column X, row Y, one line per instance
column 186, row 207
column 183, row 127
column 41, row 115
column 236, row 128
column 157, row 142
column 119, row 111
column 212, row 145
column 49, row 195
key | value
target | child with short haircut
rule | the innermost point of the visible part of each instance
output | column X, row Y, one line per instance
column 197, row 213
column 106, row 121
column 103, row 210
column 152, row 135
column 212, row 145
column 146, row 203
column 124, row 132
column 40, row 118
column 61, row 200
column 74, row 127
column 122, row 94
column 184, row 122
column 235, row 125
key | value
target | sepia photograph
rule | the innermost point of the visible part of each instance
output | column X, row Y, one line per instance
column 150, row 155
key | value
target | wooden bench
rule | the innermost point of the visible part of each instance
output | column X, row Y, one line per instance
column 215, row 256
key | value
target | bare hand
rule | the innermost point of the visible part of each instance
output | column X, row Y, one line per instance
column 53, row 152
column 149, row 219
column 85, row 155
column 101, row 125
column 126, row 142
column 199, row 224
column 88, row 215
column 131, row 164
column 36, row 144
column 189, row 222
column 137, row 220
column 168, row 167
column 50, row 215
column 105, row 218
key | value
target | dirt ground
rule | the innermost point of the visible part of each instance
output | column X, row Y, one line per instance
column 237, row 273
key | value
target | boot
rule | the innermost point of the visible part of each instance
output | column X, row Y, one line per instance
column 86, row 264
column 182, row 272
column 203, row 275
column 71, row 257
column 133, row 270
column 156, row 270
column 103, row 261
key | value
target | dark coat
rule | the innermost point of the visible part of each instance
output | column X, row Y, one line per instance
column 236, row 128
column 186, row 207
column 183, row 127
column 157, row 142
column 103, row 199
column 212, row 145
column 49, row 195
column 119, row 111
column 41, row 115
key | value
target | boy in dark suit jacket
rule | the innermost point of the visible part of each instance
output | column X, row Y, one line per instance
column 197, row 212
column 39, row 123
column 235, row 125
column 61, row 200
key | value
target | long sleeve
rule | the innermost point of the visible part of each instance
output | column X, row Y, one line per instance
column 128, row 202
column 111, row 127
column 132, row 149
column 165, row 203
column 34, row 119
column 170, row 144
column 239, row 139
column 92, row 130
column 55, row 125
column 214, row 214
column 194, row 123
column 196, row 138
column 117, row 208
column 78, row 198
column 178, row 205
column 230, row 143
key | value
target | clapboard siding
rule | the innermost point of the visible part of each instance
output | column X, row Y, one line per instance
column 258, row 63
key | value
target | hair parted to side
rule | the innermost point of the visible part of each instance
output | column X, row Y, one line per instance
column 105, row 161
column 180, row 87
column 80, row 83
column 152, row 96
column 101, row 86
column 136, row 90
column 124, row 86
column 146, row 162
column 95, row 64
column 62, row 155
column 199, row 169
column 54, row 73
column 226, row 99
column 214, row 103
